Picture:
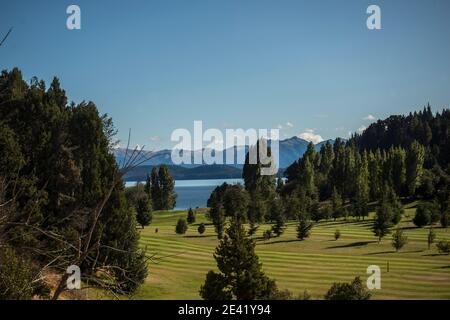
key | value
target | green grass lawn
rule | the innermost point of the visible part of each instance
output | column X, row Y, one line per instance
column 180, row 262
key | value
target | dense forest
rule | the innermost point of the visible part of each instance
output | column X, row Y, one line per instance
column 402, row 158
column 62, row 200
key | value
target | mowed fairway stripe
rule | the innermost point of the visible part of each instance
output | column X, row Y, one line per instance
column 180, row 262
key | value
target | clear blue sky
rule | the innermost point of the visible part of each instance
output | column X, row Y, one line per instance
column 159, row 65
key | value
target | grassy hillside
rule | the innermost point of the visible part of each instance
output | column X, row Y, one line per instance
column 180, row 263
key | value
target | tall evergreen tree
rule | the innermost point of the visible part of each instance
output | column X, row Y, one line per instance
column 143, row 210
column 279, row 219
column 240, row 274
column 216, row 210
column 303, row 228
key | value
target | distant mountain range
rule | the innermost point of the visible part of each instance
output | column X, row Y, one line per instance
column 290, row 150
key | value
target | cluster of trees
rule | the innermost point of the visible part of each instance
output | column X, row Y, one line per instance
column 62, row 200
column 140, row 200
column 355, row 290
column 428, row 129
column 255, row 202
column 183, row 224
column 342, row 173
column 156, row 194
column 160, row 187
column 389, row 161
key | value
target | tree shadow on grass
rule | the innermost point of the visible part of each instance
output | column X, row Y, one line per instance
column 409, row 228
column 200, row 236
column 381, row 252
column 344, row 223
column 435, row 255
column 262, row 242
column 353, row 244
column 393, row 251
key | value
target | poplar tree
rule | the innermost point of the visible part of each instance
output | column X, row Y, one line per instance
column 362, row 187
column 336, row 202
column 167, row 191
column 414, row 166
column 399, row 239
column 383, row 220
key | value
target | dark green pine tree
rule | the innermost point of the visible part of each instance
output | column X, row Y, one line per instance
column 143, row 210
column 303, row 228
column 216, row 210
column 240, row 272
column 279, row 219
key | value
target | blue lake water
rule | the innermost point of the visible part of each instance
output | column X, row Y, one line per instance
column 195, row 193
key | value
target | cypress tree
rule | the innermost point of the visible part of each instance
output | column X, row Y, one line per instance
column 190, row 216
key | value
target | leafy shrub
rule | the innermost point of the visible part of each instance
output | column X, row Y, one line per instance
column 348, row 291
column 181, row 227
column 443, row 247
